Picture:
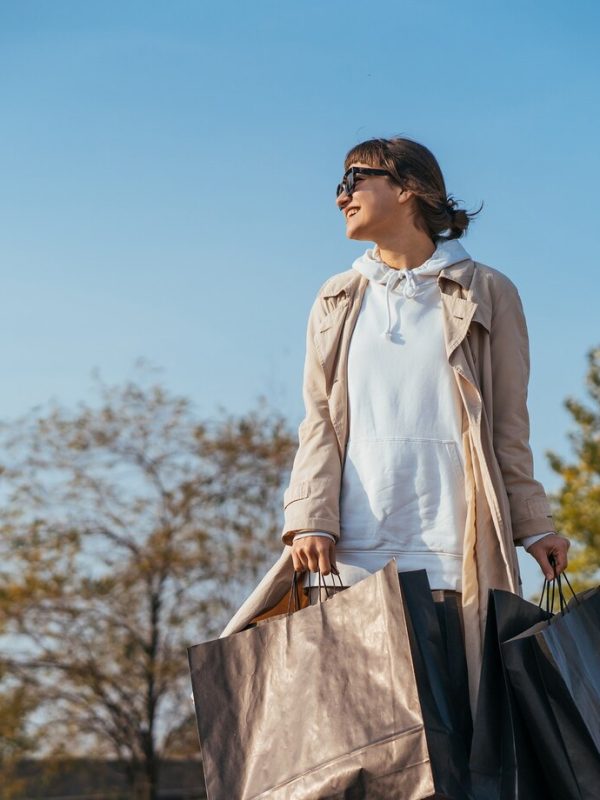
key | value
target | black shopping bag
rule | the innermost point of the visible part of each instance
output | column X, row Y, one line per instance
column 441, row 673
column 503, row 761
column 571, row 662
column 553, row 669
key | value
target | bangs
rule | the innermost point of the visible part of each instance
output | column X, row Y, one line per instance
column 373, row 152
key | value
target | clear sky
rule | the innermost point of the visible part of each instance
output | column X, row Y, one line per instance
column 168, row 173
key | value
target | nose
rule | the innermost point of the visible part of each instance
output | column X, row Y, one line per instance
column 343, row 200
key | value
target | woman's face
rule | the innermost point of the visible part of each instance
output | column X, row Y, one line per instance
column 377, row 206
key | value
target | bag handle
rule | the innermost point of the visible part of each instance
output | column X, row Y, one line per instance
column 556, row 583
column 295, row 589
column 325, row 583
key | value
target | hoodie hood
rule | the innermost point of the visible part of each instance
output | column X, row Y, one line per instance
column 406, row 281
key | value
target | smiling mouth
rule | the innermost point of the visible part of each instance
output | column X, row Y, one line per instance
column 351, row 213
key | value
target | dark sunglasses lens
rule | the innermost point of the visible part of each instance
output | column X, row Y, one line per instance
column 350, row 184
column 347, row 185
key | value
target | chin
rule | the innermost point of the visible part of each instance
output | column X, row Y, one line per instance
column 358, row 234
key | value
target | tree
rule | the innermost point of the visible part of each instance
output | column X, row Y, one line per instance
column 128, row 531
column 577, row 502
column 15, row 706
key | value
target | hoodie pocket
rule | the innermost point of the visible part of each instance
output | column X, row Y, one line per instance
column 456, row 460
column 403, row 493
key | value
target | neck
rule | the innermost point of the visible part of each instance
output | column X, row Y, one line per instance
column 406, row 252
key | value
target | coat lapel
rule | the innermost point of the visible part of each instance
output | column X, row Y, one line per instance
column 462, row 303
column 458, row 314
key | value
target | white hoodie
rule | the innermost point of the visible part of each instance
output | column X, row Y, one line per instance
column 403, row 487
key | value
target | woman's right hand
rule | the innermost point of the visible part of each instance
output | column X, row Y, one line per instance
column 314, row 553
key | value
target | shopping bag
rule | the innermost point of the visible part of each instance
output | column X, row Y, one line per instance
column 442, row 682
column 552, row 668
column 503, row 761
column 570, row 658
column 321, row 703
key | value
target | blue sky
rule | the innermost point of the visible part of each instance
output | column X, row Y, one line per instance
column 168, row 174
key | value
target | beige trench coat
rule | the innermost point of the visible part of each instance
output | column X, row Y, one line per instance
column 488, row 348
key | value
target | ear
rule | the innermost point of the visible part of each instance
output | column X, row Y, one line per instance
column 404, row 195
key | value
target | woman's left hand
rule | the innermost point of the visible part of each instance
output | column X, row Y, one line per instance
column 551, row 545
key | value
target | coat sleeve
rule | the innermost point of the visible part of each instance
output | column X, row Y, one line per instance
column 311, row 501
column 509, row 343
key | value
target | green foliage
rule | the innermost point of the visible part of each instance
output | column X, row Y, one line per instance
column 577, row 503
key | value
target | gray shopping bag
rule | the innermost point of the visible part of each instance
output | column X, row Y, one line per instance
column 321, row 703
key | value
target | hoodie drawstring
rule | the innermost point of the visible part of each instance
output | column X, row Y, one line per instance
column 410, row 287
column 409, row 290
column 370, row 265
column 391, row 279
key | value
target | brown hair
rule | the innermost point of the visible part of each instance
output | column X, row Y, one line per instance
column 415, row 168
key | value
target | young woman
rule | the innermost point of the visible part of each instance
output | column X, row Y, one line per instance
column 415, row 442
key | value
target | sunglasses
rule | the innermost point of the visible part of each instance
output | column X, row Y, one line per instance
column 349, row 180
